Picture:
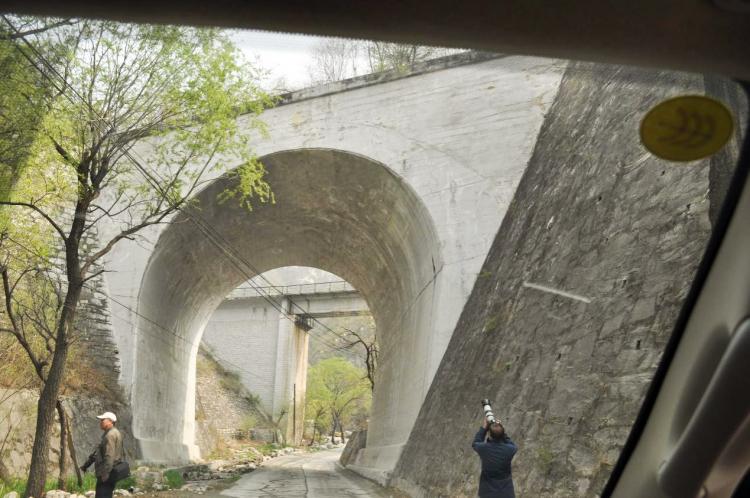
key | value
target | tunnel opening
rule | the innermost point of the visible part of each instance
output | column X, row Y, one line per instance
column 260, row 347
column 334, row 210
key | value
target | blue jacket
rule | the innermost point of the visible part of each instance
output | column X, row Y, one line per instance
column 496, row 480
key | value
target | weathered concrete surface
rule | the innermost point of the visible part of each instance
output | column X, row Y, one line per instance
column 397, row 187
column 597, row 216
column 312, row 475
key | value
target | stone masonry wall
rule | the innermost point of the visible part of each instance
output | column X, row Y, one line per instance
column 597, row 216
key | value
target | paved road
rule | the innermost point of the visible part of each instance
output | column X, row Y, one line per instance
column 311, row 475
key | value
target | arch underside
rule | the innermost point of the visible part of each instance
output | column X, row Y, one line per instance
column 334, row 210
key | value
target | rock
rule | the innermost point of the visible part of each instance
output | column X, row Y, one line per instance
column 12, row 494
column 218, row 464
column 57, row 493
column 245, row 468
column 122, row 492
column 90, row 494
column 146, row 478
column 329, row 446
column 195, row 488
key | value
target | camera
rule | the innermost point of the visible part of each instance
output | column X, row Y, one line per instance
column 488, row 411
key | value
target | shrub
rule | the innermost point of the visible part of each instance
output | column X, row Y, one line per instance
column 174, row 479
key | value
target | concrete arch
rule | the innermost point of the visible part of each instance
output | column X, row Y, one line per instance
column 335, row 210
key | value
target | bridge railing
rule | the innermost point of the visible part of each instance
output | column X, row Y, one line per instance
column 247, row 291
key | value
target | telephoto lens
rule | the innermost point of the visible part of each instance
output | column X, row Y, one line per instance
column 488, row 411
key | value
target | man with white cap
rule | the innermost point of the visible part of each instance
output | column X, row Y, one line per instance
column 105, row 455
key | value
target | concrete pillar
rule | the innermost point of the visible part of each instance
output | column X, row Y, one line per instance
column 284, row 362
column 296, row 420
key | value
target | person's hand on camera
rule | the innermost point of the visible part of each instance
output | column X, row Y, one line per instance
column 485, row 424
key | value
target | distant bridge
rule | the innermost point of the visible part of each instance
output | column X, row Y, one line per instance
column 263, row 331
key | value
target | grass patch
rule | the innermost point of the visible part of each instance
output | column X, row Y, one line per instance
column 248, row 422
column 174, row 479
column 71, row 485
column 269, row 448
column 126, row 483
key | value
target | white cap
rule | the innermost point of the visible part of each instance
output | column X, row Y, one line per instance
column 108, row 415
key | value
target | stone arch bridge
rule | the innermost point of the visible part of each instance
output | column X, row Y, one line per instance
column 396, row 183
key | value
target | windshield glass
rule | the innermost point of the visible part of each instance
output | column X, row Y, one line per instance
column 248, row 241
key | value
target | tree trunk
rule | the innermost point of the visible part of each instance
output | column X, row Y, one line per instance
column 51, row 390
column 312, row 441
column 72, row 449
column 44, row 419
column 63, row 460
column 53, row 381
column 341, row 428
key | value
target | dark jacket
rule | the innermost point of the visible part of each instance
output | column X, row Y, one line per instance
column 496, row 480
column 106, row 454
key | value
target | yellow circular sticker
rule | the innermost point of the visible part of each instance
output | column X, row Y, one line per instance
column 686, row 128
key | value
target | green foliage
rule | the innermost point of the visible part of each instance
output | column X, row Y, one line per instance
column 174, row 479
column 336, row 389
column 175, row 92
column 178, row 91
column 22, row 100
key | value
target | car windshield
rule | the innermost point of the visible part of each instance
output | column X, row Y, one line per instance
column 285, row 256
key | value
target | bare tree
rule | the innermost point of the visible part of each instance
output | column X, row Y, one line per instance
column 384, row 56
column 116, row 85
column 370, row 347
column 334, row 59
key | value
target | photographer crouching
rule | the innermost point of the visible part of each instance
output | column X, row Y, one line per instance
column 496, row 453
